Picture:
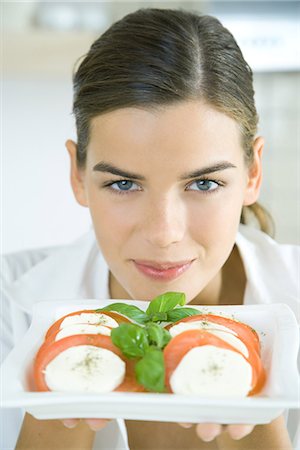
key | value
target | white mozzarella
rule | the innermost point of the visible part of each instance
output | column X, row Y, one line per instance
column 90, row 318
column 220, row 331
column 212, row 371
column 85, row 368
column 198, row 325
column 82, row 328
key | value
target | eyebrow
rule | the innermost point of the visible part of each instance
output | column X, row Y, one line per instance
column 110, row 168
column 217, row 167
column 106, row 167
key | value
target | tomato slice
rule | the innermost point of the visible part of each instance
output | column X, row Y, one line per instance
column 247, row 334
column 53, row 336
column 54, row 329
column 49, row 350
column 185, row 341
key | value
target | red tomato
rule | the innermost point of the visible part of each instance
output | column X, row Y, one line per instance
column 52, row 336
column 185, row 341
column 49, row 350
column 54, row 329
column 247, row 334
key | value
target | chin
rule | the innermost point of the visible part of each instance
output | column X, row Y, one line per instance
column 147, row 293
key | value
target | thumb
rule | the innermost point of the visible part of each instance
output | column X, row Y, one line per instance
column 70, row 423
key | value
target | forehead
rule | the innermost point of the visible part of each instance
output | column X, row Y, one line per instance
column 186, row 129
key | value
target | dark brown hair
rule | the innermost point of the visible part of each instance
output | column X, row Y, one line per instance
column 154, row 57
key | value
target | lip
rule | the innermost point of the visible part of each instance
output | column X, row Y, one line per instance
column 164, row 271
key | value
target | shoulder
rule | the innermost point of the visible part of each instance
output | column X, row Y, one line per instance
column 65, row 272
column 264, row 248
column 14, row 265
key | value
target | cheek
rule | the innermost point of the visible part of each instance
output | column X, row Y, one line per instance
column 215, row 221
column 111, row 219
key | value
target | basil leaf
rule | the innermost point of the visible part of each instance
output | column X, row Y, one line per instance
column 158, row 317
column 131, row 339
column 181, row 313
column 157, row 336
column 150, row 371
column 133, row 312
column 166, row 302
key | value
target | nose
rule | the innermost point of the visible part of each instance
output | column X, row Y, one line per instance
column 164, row 222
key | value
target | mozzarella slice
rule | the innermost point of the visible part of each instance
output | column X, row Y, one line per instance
column 220, row 331
column 82, row 328
column 198, row 325
column 90, row 318
column 85, row 368
column 212, row 371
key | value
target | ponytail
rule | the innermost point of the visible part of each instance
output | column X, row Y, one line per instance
column 258, row 215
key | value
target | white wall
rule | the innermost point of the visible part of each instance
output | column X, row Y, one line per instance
column 278, row 104
column 38, row 205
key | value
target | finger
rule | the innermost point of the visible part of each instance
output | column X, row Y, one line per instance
column 208, row 431
column 239, row 431
column 97, row 424
column 70, row 423
column 185, row 425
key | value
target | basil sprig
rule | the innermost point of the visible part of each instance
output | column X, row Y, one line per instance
column 150, row 370
column 165, row 302
column 147, row 344
column 131, row 339
column 164, row 308
column 145, row 339
column 157, row 336
column 130, row 311
column 180, row 313
column 134, row 340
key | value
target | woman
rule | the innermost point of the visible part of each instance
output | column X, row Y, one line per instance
column 168, row 162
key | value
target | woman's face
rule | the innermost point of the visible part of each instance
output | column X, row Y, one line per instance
column 165, row 190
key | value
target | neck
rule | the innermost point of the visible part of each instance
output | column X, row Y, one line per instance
column 210, row 295
column 228, row 286
column 116, row 289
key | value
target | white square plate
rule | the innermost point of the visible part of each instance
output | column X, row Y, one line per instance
column 275, row 324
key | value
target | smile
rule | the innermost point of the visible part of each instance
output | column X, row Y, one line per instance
column 164, row 270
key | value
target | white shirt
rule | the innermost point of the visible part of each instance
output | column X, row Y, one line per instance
column 79, row 271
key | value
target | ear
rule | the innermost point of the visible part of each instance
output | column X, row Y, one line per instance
column 254, row 173
column 77, row 175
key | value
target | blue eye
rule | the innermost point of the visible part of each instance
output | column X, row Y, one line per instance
column 123, row 185
column 204, row 185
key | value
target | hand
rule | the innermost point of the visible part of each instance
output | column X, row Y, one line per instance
column 93, row 424
column 209, row 431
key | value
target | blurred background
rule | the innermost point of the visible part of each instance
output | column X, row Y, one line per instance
column 42, row 40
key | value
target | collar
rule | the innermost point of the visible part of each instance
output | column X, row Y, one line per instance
column 269, row 266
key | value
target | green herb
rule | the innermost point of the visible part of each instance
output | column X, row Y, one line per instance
column 131, row 339
column 89, row 363
column 165, row 302
column 157, row 336
column 158, row 317
column 146, row 339
column 150, row 371
column 134, row 340
column 164, row 308
column 215, row 369
column 147, row 344
column 133, row 312
column 181, row 313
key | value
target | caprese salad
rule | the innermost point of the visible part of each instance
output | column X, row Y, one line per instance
column 167, row 348
column 213, row 355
